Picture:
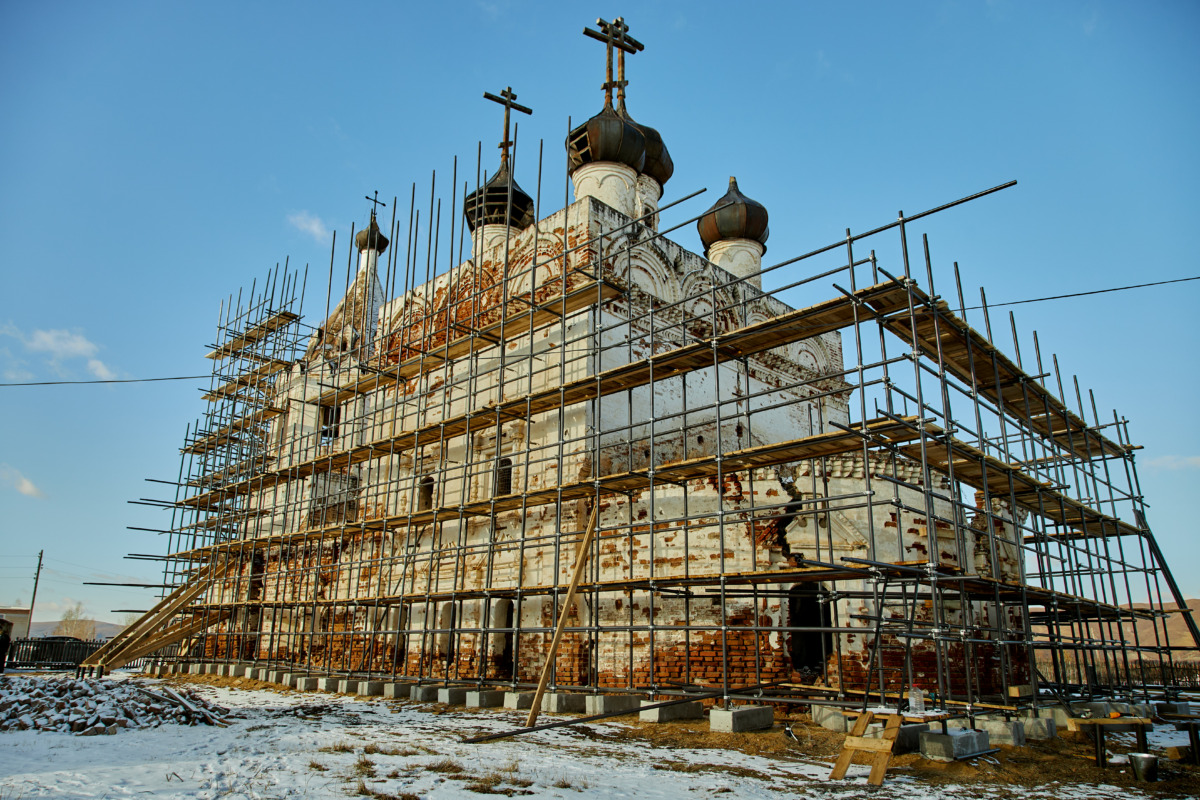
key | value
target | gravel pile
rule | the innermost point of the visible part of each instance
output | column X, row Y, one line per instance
column 95, row 707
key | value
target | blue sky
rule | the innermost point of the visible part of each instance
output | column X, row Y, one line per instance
column 157, row 156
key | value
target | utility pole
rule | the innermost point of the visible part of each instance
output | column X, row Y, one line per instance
column 36, row 576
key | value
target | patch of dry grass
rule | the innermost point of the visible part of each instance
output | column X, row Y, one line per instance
column 340, row 747
column 446, row 765
column 318, row 766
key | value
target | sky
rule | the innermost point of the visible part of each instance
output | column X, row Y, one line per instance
column 157, row 156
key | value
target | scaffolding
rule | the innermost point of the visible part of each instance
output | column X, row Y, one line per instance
column 840, row 501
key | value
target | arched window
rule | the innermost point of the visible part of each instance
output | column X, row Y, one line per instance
column 504, row 477
column 425, row 494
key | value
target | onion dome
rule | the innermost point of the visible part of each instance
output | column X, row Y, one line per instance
column 607, row 137
column 741, row 218
column 371, row 238
column 488, row 205
column 658, row 163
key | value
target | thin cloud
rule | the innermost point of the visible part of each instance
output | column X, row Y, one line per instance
column 98, row 368
column 310, row 224
column 58, row 345
column 1174, row 462
column 11, row 476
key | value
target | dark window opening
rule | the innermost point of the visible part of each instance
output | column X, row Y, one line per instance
column 809, row 648
column 425, row 495
column 331, row 420
column 508, row 665
column 504, row 477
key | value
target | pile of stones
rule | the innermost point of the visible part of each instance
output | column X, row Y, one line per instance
column 95, row 707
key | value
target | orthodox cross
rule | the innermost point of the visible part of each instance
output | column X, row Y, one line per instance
column 507, row 99
column 614, row 34
column 376, row 202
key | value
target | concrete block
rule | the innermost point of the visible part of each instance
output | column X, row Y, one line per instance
column 348, row 686
column 1057, row 714
column 424, row 694
column 830, row 719
column 1143, row 709
column 484, row 698
column 908, row 738
column 223, row 670
column 196, row 669
column 518, row 700
column 1173, row 708
column 276, row 676
column 608, row 703
column 1040, row 728
column 288, row 679
column 953, row 746
column 741, row 718
column 1001, row 731
column 307, row 684
column 330, row 684
column 692, row 710
column 237, row 670
column 370, row 688
column 398, row 690
column 563, row 703
column 452, row 695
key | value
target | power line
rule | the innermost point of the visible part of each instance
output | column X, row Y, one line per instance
column 968, row 308
column 127, row 380
column 1083, row 294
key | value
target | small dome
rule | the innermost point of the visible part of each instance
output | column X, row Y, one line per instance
column 488, row 205
column 741, row 218
column 658, row 161
column 607, row 137
column 370, row 237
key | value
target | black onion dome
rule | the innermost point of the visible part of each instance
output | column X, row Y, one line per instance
column 370, row 237
column 607, row 137
column 488, row 205
column 658, row 161
column 741, row 218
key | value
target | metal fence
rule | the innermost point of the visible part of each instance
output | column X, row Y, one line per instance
column 50, row 653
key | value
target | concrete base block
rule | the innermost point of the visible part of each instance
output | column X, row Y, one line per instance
column 741, row 718
column 518, row 700
column 276, row 676
column 1096, row 710
column 1057, row 714
column 953, row 746
column 307, row 684
column 370, row 688
column 196, row 669
column 693, row 710
column 1003, row 732
column 485, row 698
column 830, row 719
column 1040, row 728
column 452, row 695
column 424, row 694
column 223, row 670
column 330, row 684
column 237, row 670
column 348, row 686
column 1172, row 708
column 563, row 703
column 908, row 738
column 288, row 679
column 399, row 690
column 608, row 703
column 1142, row 710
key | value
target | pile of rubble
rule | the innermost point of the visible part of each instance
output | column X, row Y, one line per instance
column 92, row 707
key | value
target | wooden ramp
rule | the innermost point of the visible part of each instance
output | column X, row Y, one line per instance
column 168, row 622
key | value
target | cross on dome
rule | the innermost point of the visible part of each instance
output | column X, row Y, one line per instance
column 508, row 99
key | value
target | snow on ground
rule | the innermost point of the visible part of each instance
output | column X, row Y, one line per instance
column 291, row 745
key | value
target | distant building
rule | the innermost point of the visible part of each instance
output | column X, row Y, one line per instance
column 19, row 618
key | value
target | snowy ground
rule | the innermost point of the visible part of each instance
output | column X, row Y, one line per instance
column 315, row 745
